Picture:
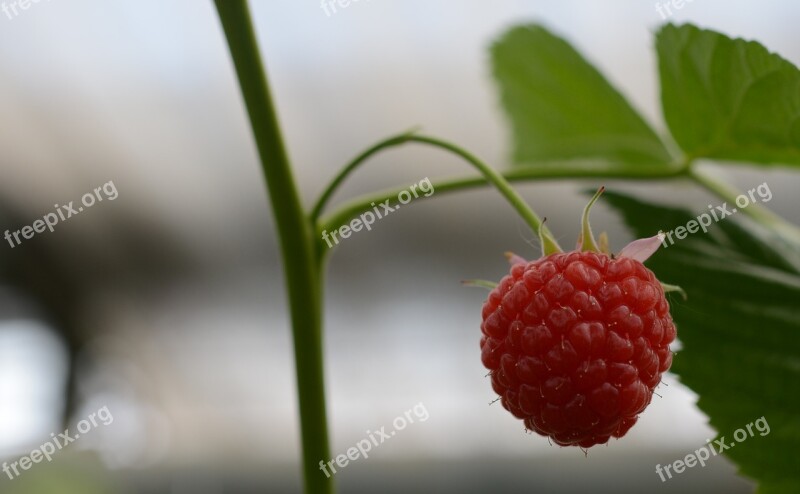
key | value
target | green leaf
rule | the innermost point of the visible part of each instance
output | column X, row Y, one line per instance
column 562, row 108
column 740, row 331
column 728, row 99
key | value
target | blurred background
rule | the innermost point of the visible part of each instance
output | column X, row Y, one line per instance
column 166, row 305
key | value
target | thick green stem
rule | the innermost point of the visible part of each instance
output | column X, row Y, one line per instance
column 302, row 272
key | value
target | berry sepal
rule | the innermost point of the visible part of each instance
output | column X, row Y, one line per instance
column 489, row 285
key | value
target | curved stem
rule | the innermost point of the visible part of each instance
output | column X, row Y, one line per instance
column 490, row 175
column 345, row 172
column 755, row 210
column 549, row 243
column 566, row 170
column 356, row 206
column 586, row 169
column 302, row 272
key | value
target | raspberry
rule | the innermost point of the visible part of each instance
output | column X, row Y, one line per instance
column 576, row 343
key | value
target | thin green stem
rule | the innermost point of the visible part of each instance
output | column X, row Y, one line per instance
column 572, row 169
column 756, row 211
column 296, row 235
column 501, row 184
column 566, row 170
column 348, row 169
column 585, row 169
column 354, row 207
column 490, row 175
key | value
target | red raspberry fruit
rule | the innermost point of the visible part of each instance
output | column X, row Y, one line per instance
column 576, row 343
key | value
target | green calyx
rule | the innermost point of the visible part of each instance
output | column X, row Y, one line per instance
column 586, row 241
column 548, row 241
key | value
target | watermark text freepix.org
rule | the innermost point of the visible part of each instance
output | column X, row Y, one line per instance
column 375, row 439
column 59, row 442
column 676, row 4
column 10, row 8
column 62, row 213
column 330, row 5
column 717, row 213
column 702, row 454
column 366, row 219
